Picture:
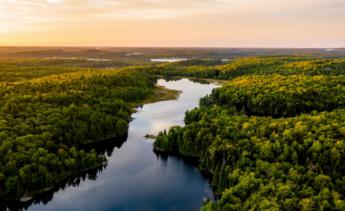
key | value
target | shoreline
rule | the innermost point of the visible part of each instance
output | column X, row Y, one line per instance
column 160, row 93
column 31, row 197
column 194, row 160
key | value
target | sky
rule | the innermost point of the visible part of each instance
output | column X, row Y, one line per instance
column 173, row 23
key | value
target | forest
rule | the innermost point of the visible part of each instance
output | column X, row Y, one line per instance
column 46, row 118
column 283, row 65
column 272, row 137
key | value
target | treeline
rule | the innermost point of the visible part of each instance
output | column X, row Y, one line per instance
column 20, row 70
column 276, row 95
column 44, row 122
column 256, row 66
column 263, row 163
column 272, row 138
column 24, row 69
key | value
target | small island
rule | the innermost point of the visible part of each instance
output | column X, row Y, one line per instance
column 150, row 136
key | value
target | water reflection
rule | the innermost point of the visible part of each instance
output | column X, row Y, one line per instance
column 135, row 178
column 105, row 147
column 47, row 196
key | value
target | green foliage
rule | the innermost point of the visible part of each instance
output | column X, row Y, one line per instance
column 282, row 65
column 256, row 66
column 277, row 95
column 50, row 108
column 44, row 122
column 272, row 137
column 265, row 163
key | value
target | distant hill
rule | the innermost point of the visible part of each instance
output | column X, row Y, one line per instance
column 147, row 53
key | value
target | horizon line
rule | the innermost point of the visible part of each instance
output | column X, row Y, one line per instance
column 163, row 47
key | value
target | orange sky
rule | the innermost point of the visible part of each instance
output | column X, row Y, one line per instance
column 194, row 23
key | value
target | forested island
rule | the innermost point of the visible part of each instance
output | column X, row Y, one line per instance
column 272, row 136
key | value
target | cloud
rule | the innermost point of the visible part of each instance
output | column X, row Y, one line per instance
column 179, row 20
column 151, row 9
column 54, row 1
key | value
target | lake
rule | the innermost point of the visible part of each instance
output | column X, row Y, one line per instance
column 169, row 60
column 135, row 177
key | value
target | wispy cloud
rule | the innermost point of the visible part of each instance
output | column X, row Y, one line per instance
column 242, row 20
column 157, row 9
column 128, row 9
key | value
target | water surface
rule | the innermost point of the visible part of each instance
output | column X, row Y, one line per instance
column 135, row 177
column 169, row 59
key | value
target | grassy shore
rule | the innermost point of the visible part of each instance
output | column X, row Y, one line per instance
column 162, row 94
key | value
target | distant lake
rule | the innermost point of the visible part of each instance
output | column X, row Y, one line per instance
column 134, row 54
column 169, row 60
column 135, row 177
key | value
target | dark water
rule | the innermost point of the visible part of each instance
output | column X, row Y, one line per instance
column 135, row 178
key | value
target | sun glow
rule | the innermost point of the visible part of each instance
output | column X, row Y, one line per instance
column 246, row 23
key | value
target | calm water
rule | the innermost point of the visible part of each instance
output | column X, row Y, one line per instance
column 135, row 178
column 169, row 60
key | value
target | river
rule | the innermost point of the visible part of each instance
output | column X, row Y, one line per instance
column 135, row 177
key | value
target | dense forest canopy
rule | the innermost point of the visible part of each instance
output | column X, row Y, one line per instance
column 276, row 95
column 44, row 121
column 266, row 163
column 257, row 66
column 272, row 136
